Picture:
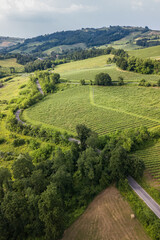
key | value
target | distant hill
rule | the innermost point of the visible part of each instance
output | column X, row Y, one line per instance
column 124, row 37
column 8, row 41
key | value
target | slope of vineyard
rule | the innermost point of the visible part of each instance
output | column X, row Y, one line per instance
column 151, row 157
column 103, row 109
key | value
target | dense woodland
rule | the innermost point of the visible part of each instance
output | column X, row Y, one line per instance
column 45, row 195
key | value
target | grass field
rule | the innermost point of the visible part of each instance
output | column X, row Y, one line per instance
column 151, row 52
column 103, row 109
column 7, row 63
column 108, row 217
column 87, row 69
column 151, row 157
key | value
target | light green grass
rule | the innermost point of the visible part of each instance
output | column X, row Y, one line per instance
column 87, row 69
column 103, row 109
column 7, row 63
column 151, row 158
column 151, row 52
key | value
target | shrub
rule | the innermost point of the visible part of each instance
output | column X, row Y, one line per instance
column 103, row 79
column 18, row 142
column 82, row 82
column 2, row 140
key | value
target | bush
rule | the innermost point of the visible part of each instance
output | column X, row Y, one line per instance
column 82, row 82
column 158, row 83
column 18, row 142
column 22, row 86
column 2, row 140
column 103, row 79
column 120, row 81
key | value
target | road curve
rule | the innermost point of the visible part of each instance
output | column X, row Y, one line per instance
column 144, row 196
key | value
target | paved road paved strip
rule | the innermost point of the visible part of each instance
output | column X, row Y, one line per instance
column 155, row 207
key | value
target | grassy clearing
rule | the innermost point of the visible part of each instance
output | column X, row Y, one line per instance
column 87, row 69
column 151, row 52
column 103, row 109
column 151, row 157
column 107, row 217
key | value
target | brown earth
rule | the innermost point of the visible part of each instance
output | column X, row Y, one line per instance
column 108, row 217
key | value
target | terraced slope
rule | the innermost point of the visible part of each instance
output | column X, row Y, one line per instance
column 108, row 217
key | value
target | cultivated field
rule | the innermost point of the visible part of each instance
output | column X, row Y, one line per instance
column 151, row 157
column 103, row 109
column 108, row 217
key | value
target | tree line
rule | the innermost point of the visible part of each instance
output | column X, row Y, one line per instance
column 138, row 65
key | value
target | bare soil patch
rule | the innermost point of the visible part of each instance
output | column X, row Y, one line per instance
column 108, row 217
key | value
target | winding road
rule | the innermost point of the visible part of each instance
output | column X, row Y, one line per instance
column 144, row 196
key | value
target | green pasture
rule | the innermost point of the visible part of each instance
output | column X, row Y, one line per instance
column 7, row 63
column 151, row 52
column 88, row 68
column 151, row 158
column 103, row 109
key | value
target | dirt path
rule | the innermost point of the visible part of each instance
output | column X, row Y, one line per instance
column 39, row 87
column 108, row 217
column 18, row 118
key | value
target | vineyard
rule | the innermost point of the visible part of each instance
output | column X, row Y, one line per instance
column 103, row 109
column 151, row 157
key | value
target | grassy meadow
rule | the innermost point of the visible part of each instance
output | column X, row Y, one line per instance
column 7, row 63
column 151, row 52
column 88, row 68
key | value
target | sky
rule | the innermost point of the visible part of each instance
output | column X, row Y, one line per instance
column 29, row 18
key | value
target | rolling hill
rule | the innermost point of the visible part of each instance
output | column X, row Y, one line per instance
column 116, row 36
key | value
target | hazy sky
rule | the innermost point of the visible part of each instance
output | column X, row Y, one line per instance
column 27, row 18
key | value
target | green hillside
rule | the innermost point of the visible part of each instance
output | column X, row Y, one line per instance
column 151, row 52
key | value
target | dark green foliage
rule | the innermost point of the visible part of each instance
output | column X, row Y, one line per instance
column 18, row 142
column 51, row 212
column 103, row 79
column 38, row 65
column 22, row 167
column 2, row 140
column 83, row 133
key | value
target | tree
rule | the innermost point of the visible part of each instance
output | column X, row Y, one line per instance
column 103, row 79
column 119, row 164
column 22, row 167
column 51, row 212
column 83, row 133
